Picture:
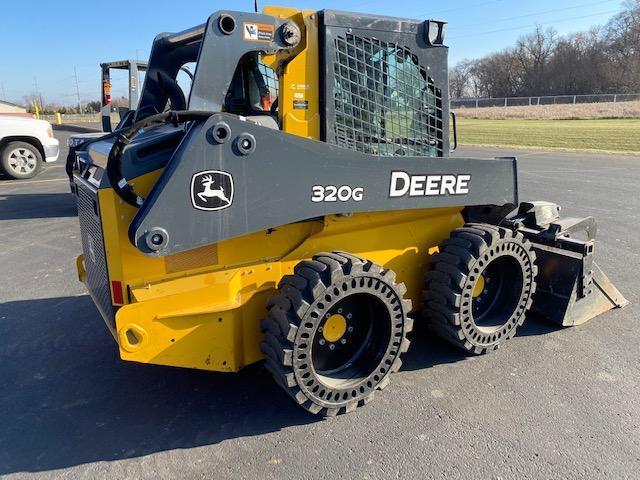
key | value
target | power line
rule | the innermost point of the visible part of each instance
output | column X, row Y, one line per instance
column 523, row 27
column 75, row 72
column 534, row 14
column 457, row 9
column 38, row 94
column 359, row 4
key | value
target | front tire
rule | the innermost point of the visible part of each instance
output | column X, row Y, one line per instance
column 20, row 160
column 335, row 332
column 480, row 286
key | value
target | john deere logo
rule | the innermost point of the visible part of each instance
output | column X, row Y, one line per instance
column 211, row 190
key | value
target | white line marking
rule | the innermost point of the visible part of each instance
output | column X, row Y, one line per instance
column 21, row 182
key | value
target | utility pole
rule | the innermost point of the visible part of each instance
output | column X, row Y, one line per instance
column 38, row 94
column 75, row 73
column 137, row 75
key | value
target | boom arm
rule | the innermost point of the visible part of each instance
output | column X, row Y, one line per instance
column 272, row 178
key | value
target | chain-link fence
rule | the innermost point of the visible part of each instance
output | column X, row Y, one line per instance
column 543, row 100
column 71, row 118
column 479, row 102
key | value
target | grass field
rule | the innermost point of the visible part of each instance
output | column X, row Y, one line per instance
column 620, row 135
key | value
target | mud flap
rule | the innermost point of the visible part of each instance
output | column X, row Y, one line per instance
column 572, row 288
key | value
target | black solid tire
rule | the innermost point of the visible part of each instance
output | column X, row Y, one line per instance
column 448, row 298
column 297, row 312
column 4, row 160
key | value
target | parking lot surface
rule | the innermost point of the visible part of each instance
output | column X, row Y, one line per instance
column 552, row 403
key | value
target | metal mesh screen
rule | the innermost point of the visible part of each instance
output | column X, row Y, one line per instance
column 93, row 247
column 270, row 79
column 385, row 103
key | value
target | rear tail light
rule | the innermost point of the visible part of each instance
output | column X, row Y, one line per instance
column 118, row 296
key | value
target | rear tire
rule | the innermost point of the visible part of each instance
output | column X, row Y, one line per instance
column 480, row 286
column 335, row 332
column 20, row 160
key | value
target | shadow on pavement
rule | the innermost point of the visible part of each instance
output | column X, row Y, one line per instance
column 432, row 350
column 69, row 400
column 36, row 205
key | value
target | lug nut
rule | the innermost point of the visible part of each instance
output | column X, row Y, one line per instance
column 332, row 346
column 320, row 329
column 322, row 341
column 343, row 341
column 349, row 317
column 349, row 328
column 339, row 310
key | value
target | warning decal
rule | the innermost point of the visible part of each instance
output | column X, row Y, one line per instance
column 256, row 32
column 301, row 104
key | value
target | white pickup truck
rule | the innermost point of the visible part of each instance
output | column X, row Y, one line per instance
column 25, row 145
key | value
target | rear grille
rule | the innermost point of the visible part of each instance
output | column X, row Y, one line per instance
column 385, row 103
column 94, row 256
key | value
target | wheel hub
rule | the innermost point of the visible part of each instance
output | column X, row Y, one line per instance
column 350, row 337
column 22, row 161
column 479, row 287
column 334, row 328
column 497, row 300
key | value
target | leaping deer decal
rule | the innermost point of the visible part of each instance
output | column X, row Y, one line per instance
column 209, row 192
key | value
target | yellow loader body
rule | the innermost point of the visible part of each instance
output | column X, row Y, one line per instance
column 202, row 308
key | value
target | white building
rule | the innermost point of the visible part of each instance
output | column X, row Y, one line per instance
column 11, row 108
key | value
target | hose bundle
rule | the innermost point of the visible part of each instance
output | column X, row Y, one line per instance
column 119, row 183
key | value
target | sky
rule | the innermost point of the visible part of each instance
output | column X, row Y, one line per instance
column 44, row 44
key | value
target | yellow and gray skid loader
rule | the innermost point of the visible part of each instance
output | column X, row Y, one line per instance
column 300, row 207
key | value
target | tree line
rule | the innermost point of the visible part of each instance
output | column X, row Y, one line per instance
column 604, row 59
column 93, row 106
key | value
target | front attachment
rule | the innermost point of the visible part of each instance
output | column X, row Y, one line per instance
column 571, row 288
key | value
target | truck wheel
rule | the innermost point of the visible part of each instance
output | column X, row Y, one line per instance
column 335, row 332
column 20, row 160
column 480, row 286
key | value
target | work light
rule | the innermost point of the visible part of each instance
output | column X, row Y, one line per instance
column 434, row 32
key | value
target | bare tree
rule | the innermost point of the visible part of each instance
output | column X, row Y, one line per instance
column 600, row 60
column 460, row 79
column 532, row 54
column 623, row 45
column 495, row 75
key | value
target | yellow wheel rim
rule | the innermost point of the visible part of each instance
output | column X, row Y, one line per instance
column 479, row 287
column 334, row 328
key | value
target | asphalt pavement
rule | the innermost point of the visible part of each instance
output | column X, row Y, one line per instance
column 552, row 403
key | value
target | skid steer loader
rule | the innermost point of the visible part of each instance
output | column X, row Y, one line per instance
column 302, row 208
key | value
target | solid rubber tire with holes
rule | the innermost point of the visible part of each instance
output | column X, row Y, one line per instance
column 298, row 311
column 448, row 298
column 5, row 166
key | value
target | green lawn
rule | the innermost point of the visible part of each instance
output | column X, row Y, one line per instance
column 608, row 135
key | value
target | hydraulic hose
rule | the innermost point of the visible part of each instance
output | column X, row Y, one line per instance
column 119, row 183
